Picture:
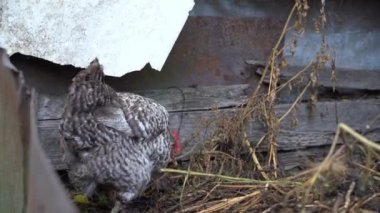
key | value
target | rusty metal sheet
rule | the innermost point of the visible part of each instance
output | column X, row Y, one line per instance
column 212, row 50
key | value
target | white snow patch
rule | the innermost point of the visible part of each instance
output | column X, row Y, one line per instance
column 123, row 34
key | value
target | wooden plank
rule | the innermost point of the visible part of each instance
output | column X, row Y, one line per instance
column 12, row 171
column 346, row 79
column 174, row 99
column 301, row 159
column 312, row 130
column 45, row 191
column 28, row 182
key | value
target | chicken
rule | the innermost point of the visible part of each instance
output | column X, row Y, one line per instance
column 99, row 154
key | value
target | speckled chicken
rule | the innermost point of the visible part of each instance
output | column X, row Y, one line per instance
column 100, row 154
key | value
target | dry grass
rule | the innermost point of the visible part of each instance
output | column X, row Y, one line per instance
column 229, row 176
column 347, row 180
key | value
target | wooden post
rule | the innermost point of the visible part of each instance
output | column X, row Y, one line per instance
column 12, row 173
column 28, row 182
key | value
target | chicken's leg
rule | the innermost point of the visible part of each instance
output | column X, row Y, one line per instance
column 121, row 203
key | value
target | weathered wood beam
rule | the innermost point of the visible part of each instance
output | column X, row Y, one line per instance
column 12, row 153
column 174, row 99
column 45, row 191
column 313, row 129
column 28, row 182
column 301, row 159
column 345, row 79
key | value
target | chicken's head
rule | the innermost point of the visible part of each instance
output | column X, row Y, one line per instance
column 93, row 73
